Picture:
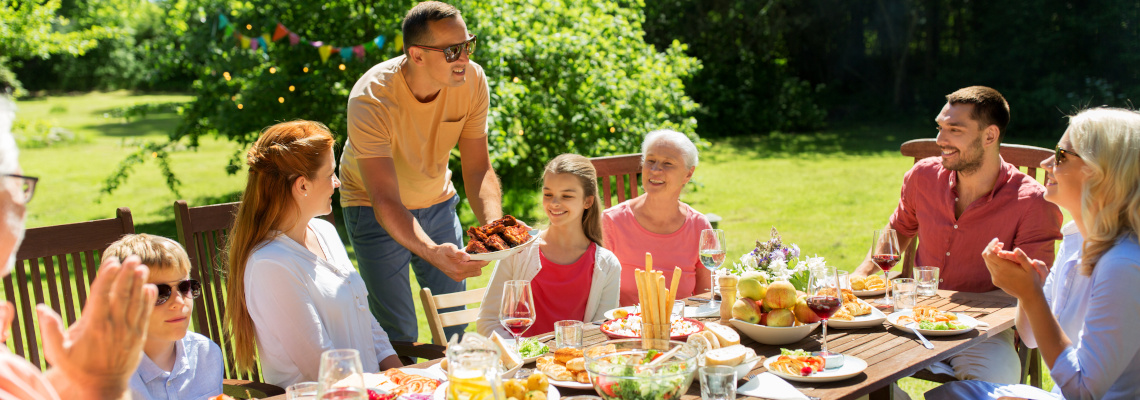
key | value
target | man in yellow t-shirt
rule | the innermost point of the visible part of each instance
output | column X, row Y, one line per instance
column 405, row 115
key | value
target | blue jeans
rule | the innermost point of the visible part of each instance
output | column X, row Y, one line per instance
column 384, row 266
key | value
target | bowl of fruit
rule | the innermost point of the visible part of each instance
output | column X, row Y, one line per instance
column 627, row 369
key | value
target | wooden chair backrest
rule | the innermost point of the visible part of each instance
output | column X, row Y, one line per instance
column 54, row 257
column 618, row 175
column 437, row 321
column 203, row 231
column 1026, row 158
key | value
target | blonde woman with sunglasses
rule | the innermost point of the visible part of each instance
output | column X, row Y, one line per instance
column 1086, row 317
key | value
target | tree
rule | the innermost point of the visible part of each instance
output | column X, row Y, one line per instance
column 31, row 29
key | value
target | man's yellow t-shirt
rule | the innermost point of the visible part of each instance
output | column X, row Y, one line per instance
column 386, row 120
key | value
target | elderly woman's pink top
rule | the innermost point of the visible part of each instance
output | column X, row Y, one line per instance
column 629, row 241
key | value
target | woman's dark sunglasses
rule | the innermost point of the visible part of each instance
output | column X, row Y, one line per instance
column 451, row 53
column 1061, row 155
column 189, row 287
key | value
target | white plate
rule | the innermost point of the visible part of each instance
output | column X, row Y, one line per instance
column 875, row 318
column 865, row 293
column 851, row 366
column 527, row 360
column 381, row 384
column 571, row 384
column 964, row 319
column 690, row 311
column 441, row 392
column 501, row 254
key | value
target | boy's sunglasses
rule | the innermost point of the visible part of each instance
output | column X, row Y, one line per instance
column 451, row 53
column 1061, row 155
column 189, row 287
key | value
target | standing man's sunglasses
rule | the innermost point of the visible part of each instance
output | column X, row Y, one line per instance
column 1062, row 155
column 451, row 53
column 189, row 287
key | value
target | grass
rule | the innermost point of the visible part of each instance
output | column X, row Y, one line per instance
column 825, row 191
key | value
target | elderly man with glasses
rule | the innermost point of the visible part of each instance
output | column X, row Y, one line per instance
column 405, row 115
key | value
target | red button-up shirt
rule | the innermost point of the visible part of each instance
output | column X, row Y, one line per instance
column 1015, row 212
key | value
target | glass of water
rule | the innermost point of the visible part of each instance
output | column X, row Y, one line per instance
column 712, row 252
column 301, row 391
column 568, row 333
column 718, row 383
column 905, row 295
column 927, row 280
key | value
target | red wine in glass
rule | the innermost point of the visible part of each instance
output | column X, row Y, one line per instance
column 885, row 261
column 824, row 306
column 518, row 325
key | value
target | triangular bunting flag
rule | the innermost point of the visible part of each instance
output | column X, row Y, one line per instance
column 399, row 42
column 229, row 30
column 264, row 45
column 325, row 51
column 223, row 21
column 254, row 43
column 379, row 41
column 294, row 39
column 346, row 53
column 280, row 32
column 358, row 51
column 244, row 41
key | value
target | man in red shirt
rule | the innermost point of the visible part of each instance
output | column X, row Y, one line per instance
column 958, row 202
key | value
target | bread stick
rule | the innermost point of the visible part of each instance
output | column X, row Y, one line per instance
column 648, row 262
column 663, row 321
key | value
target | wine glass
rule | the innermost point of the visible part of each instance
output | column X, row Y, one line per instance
column 885, row 253
column 516, row 312
column 826, row 297
column 341, row 376
column 712, row 253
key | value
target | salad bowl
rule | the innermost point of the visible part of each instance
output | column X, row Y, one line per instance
column 629, row 372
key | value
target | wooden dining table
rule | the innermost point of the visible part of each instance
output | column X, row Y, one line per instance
column 891, row 354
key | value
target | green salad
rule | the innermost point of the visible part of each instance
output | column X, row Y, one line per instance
column 941, row 326
column 625, row 379
column 530, row 348
column 794, row 353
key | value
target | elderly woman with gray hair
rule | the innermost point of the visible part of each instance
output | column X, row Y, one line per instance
column 658, row 222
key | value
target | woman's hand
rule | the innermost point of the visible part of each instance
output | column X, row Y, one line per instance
column 98, row 353
column 1013, row 271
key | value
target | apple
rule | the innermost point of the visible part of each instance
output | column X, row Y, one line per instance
column 746, row 310
column 754, row 275
column 763, row 306
column 781, row 317
column 763, row 319
column 781, row 294
column 751, row 288
column 804, row 313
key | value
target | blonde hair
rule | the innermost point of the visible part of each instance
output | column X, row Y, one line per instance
column 583, row 169
column 158, row 253
column 1108, row 141
column 283, row 153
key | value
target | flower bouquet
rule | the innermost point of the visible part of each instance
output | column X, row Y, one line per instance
column 776, row 262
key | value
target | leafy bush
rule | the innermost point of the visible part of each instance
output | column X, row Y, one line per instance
column 564, row 76
column 31, row 29
column 40, row 133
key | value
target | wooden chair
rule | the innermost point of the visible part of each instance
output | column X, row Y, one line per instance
column 64, row 259
column 437, row 321
column 203, row 231
column 620, row 175
column 1027, row 159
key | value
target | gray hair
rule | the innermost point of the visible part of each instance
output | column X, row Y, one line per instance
column 9, row 155
column 688, row 149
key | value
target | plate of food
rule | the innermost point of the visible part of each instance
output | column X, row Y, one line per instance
column 856, row 313
column 531, row 348
column 402, row 381
column 932, row 321
column 690, row 312
column 872, row 285
column 499, row 239
column 802, row 366
column 565, row 368
column 630, row 327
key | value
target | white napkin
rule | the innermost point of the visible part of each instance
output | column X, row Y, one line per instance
column 769, row 386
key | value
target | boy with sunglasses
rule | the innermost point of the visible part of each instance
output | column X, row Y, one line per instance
column 405, row 116
column 176, row 364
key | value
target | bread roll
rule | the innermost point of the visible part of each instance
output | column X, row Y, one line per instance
column 727, row 336
column 576, row 365
column 566, row 354
column 729, row 356
column 507, row 354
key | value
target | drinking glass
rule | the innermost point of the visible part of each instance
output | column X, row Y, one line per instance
column 473, row 373
column 826, row 296
column 568, row 334
column 516, row 312
column 712, row 253
column 927, row 280
column 906, row 295
column 718, row 383
column 301, row 391
column 885, row 253
column 341, row 376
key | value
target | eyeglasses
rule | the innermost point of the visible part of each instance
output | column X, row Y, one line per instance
column 189, row 287
column 1061, row 155
column 27, row 187
column 451, row 53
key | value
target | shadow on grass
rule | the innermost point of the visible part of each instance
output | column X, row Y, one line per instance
column 158, row 123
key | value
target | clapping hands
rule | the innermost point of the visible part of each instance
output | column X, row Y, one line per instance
column 1013, row 271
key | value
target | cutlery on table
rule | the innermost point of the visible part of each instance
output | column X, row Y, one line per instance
column 914, row 328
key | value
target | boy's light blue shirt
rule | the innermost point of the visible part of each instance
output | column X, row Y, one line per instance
column 197, row 372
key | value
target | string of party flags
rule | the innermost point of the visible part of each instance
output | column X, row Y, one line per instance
column 324, row 50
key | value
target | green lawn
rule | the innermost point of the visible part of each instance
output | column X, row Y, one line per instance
column 824, row 191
